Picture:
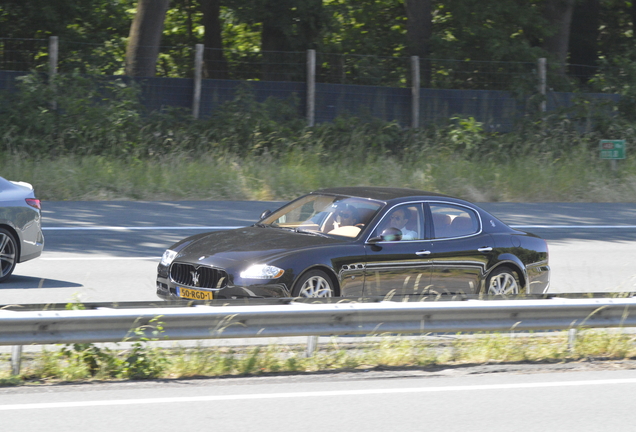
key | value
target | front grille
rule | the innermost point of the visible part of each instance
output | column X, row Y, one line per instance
column 197, row 276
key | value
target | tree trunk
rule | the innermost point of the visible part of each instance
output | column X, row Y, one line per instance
column 145, row 37
column 274, row 41
column 632, row 13
column 419, row 29
column 558, row 13
column 215, row 63
column 584, row 38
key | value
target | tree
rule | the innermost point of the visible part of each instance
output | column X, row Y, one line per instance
column 145, row 37
column 558, row 14
column 287, row 25
column 419, row 31
column 83, row 27
column 215, row 63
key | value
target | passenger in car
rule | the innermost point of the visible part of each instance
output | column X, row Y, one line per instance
column 347, row 215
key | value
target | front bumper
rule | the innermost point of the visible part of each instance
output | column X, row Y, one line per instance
column 167, row 290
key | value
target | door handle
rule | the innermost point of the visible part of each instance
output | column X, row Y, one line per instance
column 423, row 252
column 485, row 249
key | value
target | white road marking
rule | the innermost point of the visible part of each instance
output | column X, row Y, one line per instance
column 576, row 226
column 138, row 228
column 209, row 228
column 98, row 258
column 334, row 393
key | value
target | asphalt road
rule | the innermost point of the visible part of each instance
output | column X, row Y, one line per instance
column 108, row 251
column 450, row 400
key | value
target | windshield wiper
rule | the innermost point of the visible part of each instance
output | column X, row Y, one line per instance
column 318, row 233
column 262, row 225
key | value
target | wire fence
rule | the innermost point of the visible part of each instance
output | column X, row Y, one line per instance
column 493, row 92
column 178, row 62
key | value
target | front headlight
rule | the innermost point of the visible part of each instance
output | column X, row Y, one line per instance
column 168, row 257
column 262, row 271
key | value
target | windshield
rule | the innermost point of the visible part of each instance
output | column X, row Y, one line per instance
column 327, row 214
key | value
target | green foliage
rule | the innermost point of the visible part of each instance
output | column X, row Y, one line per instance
column 140, row 361
column 74, row 115
column 466, row 134
column 361, row 41
column 91, row 21
column 617, row 75
column 505, row 30
column 76, row 363
column 244, row 126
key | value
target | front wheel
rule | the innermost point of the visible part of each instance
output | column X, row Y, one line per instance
column 314, row 284
column 8, row 254
column 503, row 281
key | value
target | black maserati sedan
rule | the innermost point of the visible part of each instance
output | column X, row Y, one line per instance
column 359, row 242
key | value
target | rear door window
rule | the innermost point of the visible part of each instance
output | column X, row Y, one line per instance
column 450, row 221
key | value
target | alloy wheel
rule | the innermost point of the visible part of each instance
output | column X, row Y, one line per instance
column 7, row 254
column 316, row 286
column 503, row 283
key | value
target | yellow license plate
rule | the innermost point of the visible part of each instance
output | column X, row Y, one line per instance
column 194, row 294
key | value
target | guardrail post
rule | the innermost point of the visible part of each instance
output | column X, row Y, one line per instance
column 571, row 339
column 312, row 343
column 16, row 359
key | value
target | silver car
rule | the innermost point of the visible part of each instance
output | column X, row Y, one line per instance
column 21, row 237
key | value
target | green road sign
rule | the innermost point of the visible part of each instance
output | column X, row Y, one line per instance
column 612, row 149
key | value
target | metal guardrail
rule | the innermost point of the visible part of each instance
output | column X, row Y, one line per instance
column 307, row 319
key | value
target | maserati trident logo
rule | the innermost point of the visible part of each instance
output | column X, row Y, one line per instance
column 195, row 278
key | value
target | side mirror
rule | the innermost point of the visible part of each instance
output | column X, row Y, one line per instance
column 389, row 234
column 265, row 214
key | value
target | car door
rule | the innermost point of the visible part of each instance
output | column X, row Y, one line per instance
column 399, row 267
column 460, row 251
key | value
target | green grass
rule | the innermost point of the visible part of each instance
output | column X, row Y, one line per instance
column 85, row 362
column 222, row 176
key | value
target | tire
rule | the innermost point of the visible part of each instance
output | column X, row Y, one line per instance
column 8, row 254
column 503, row 281
column 314, row 284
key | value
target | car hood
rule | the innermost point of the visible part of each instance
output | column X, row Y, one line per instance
column 249, row 244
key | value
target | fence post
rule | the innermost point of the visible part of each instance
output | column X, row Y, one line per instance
column 415, row 92
column 198, row 66
column 53, row 58
column 542, row 83
column 571, row 339
column 311, row 87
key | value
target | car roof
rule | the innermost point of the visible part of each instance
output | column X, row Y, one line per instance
column 379, row 193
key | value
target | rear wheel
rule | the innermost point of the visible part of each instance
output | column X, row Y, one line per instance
column 314, row 284
column 8, row 254
column 503, row 281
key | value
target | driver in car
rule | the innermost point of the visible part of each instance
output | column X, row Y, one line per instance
column 398, row 219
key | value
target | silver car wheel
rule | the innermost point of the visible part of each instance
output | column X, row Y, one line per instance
column 316, row 285
column 7, row 254
column 503, row 283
